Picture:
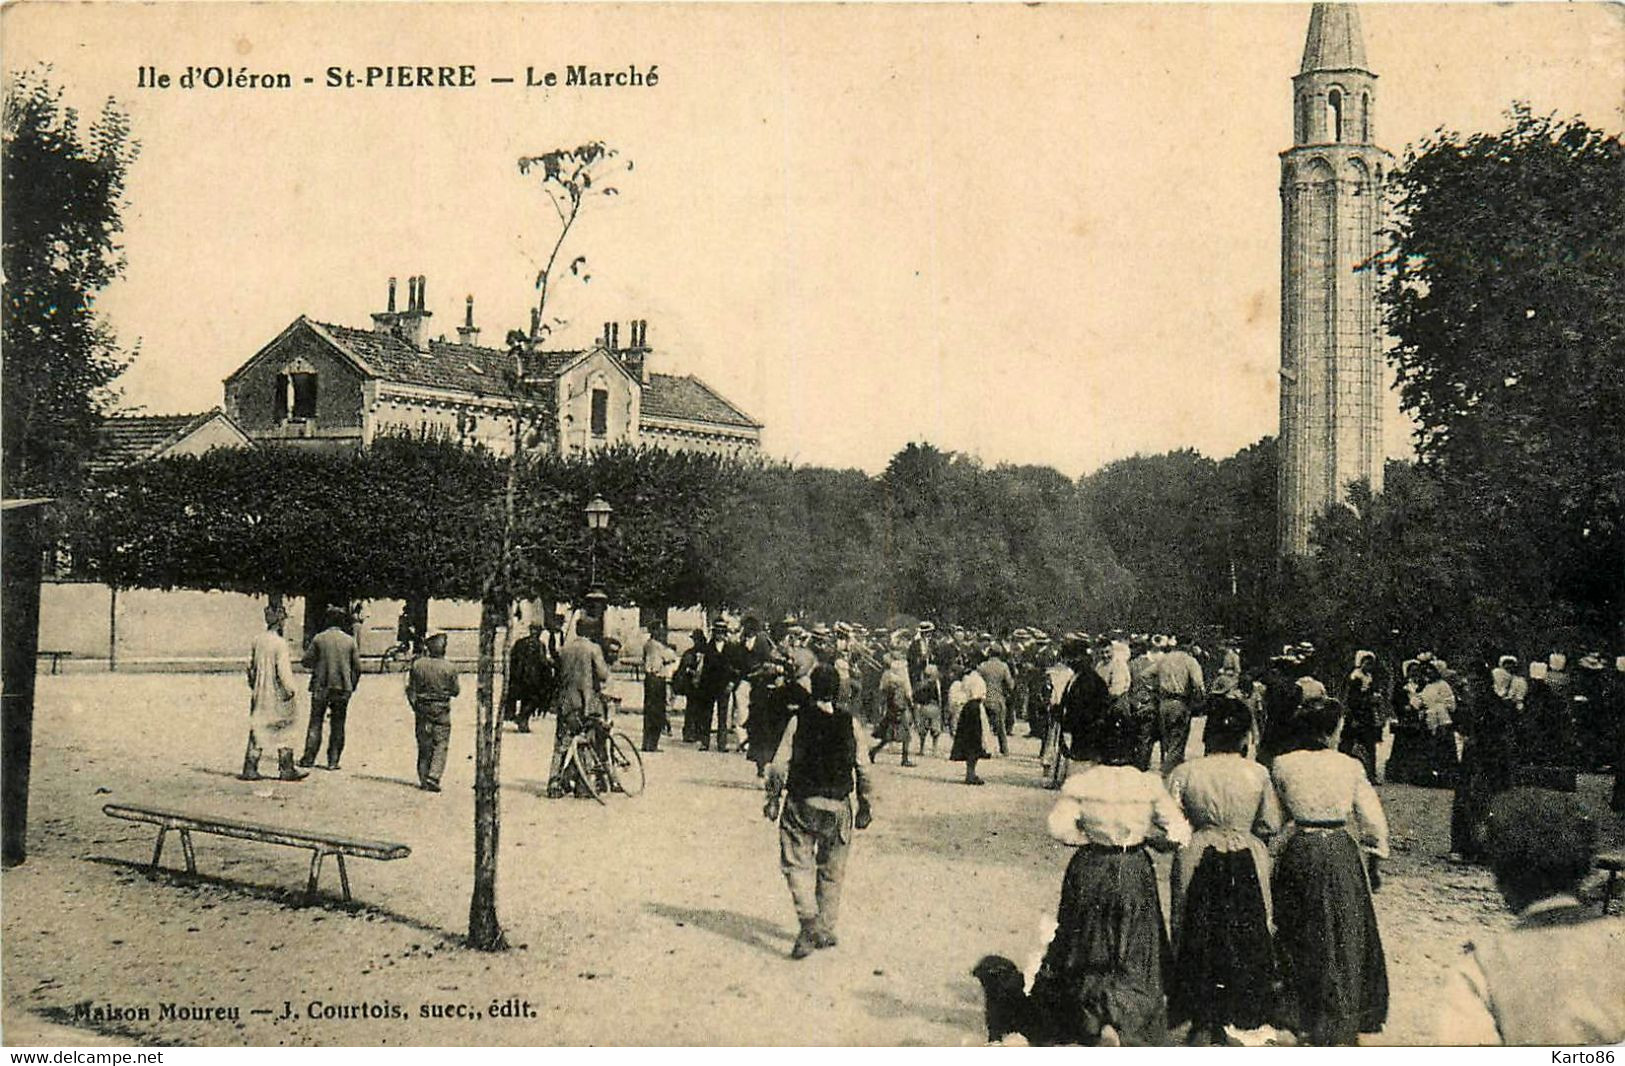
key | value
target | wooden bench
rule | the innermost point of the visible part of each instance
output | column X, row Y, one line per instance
column 1614, row 863
column 56, row 658
column 320, row 844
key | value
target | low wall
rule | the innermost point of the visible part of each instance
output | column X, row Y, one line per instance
column 186, row 630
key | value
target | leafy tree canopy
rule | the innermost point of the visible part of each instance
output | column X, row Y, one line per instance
column 61, row 221
column 1507, row 311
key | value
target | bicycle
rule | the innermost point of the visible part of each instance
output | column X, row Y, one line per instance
column 602, row 759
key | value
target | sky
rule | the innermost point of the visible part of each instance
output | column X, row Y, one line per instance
column 1037, row 234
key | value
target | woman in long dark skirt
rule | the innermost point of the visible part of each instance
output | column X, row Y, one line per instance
column 1487, row 762
column 1408, row 758
column 1224, row 960
column 1103, row 976
column 1362, row 725
column 1333, row 970
column 971, row 728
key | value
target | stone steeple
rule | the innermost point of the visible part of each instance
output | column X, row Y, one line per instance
column 1332, row 370
column 1335, row 41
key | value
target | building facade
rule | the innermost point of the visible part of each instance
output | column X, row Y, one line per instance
column 1332, row 369
column 323, row 385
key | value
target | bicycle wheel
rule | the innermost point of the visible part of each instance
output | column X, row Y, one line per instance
column 625, row 764
column 584, row 763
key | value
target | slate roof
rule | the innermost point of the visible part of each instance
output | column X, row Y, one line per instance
column 461, row 367
column 687, row 397
column 127, row 439
column 1334, row 41
column 482, row 371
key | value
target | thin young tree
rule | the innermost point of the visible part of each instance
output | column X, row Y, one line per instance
column 569, row 178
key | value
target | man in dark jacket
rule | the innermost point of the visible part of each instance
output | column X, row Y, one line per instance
column 334, row 662
column 1282, row 697
column 714, row 687
column 1084, row 703
column 530, row 678
column 818, row 766
column 759, row 665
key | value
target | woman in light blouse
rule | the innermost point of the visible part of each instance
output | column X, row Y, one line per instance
column 1103, row 976
column 1224, row 970
column 1334, row 972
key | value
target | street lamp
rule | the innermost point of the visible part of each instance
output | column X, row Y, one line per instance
column 597, row 512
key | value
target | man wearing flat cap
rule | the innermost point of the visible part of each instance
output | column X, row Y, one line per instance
column 818, row 769
column 583, row 673
column 1558, row 977
column 431, row 685
column 334, row 661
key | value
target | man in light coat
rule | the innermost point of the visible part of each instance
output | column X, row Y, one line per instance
column 273, row 713
column 583, row 672
column 1180, row 689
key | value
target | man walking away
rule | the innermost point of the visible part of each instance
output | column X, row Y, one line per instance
column 583, row 672
column 658, row 661
column 1001, row 686
column 334, row 662
column 273, row 711
column 1180, row 689
column 816, row 818
column 430, row 686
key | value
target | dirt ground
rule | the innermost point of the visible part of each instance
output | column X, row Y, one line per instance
column 656, row 920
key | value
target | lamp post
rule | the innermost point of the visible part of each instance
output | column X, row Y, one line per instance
column 597, row 512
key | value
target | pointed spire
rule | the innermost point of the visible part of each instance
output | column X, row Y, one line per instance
column 1335, row 41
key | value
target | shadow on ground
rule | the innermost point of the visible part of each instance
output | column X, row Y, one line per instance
column 292, row 898
column 753, row 932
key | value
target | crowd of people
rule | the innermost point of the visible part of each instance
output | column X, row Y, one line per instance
column 1277, row 831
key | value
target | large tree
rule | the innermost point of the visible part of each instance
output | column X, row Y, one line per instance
column 1507, row 310
column 64, row 187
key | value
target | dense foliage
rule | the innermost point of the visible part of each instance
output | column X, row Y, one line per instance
column 1506, row 303
column 61, row 221
column 936, row 535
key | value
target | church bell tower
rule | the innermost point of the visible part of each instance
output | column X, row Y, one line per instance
column 1332, row 371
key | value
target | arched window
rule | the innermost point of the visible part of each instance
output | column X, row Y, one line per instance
column 1303, row 120
column 1365, row 118
column 1334, row 114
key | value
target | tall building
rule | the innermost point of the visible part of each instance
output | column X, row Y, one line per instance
column 1332, row 371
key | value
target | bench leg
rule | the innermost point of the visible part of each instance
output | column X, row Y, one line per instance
column 315, row 872
column 1608, row 890
column 344, row 875
column 186, row 847
column 158, row 849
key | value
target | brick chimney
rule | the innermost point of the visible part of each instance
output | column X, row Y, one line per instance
column 409, row 324
column 636, row 354
column 468, row 332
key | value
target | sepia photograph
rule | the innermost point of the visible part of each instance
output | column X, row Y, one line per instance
column 800, row 525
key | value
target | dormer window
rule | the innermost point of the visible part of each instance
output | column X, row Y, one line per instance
column 296, row 395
